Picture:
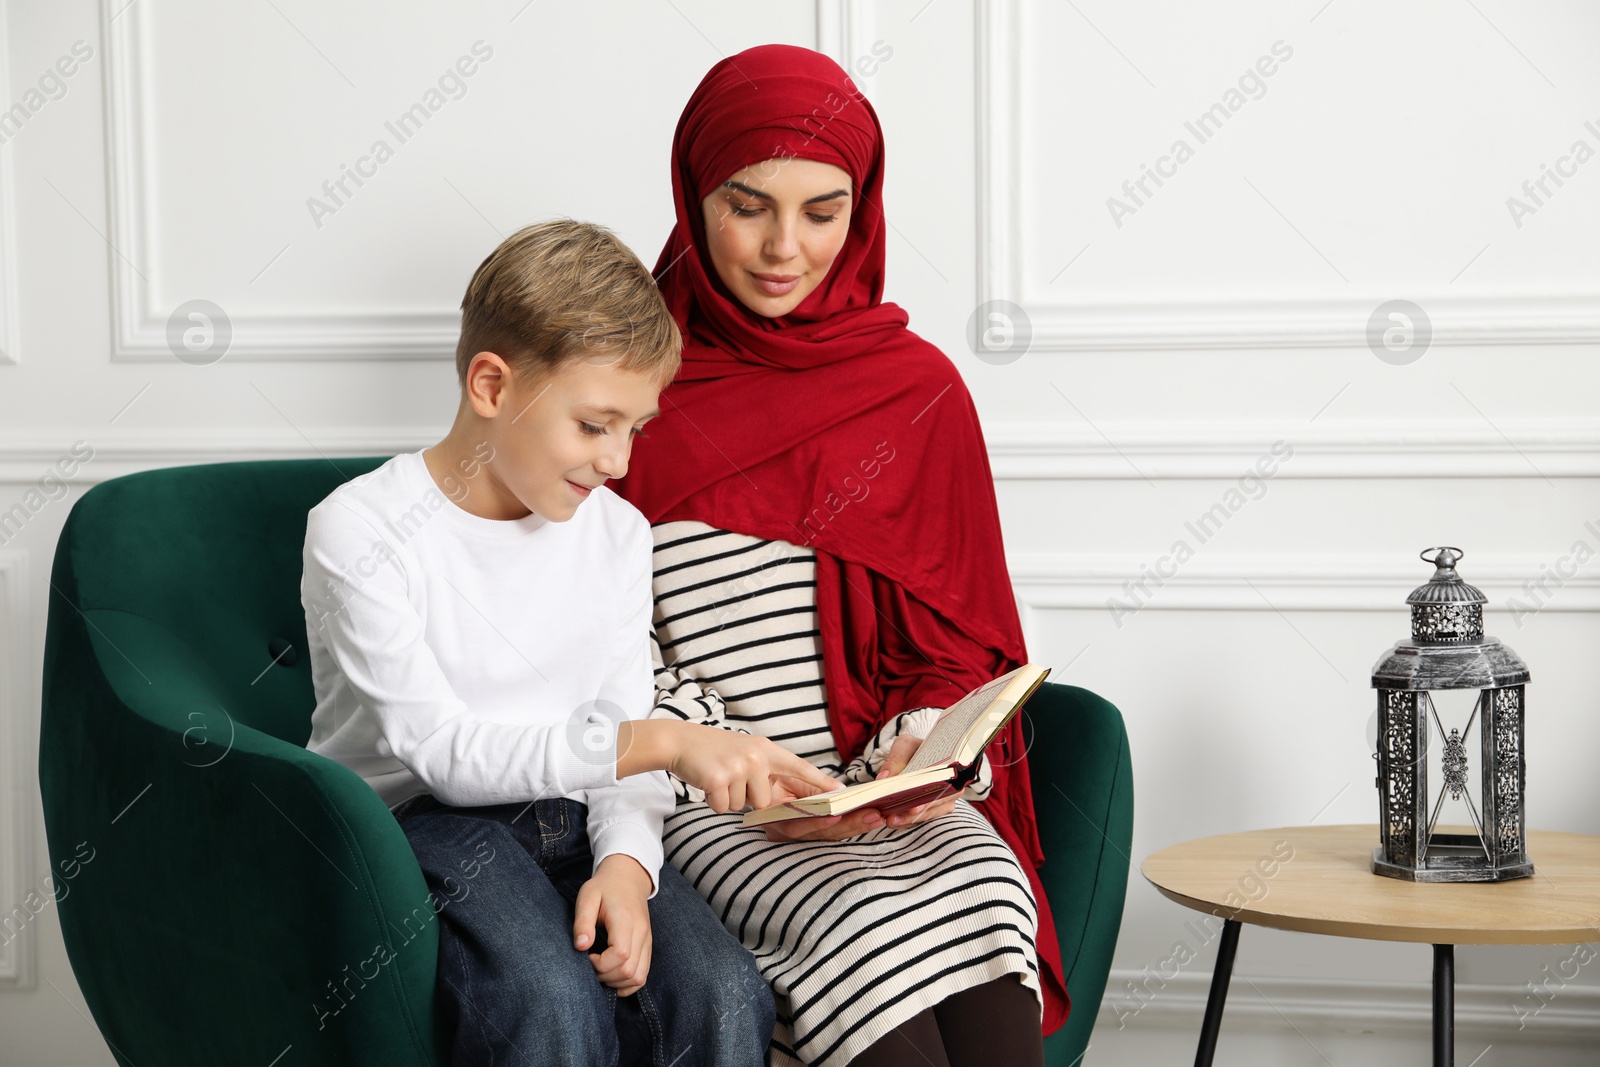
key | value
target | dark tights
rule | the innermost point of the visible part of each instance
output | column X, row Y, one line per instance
column 997, row 1022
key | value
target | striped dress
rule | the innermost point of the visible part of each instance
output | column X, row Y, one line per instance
column 855, row 936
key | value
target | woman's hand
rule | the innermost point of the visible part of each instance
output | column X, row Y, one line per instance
column 825, row 827
column 900, row 754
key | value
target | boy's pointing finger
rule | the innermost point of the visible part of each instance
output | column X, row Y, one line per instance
column 795, row 767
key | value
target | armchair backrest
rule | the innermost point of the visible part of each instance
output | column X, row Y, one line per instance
column 212, row 554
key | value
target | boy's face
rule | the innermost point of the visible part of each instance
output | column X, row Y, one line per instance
column 555, row 439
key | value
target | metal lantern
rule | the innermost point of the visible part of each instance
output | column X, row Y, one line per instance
column 1448, row 651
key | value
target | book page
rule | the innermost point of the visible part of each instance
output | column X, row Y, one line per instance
column 943, row 743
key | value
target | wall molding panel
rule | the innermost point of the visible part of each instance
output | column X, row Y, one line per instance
column 9, row 302
column 18, row 802
column 1236, row 324
column 1376, row 1008
column 1211, row 581
column 844, row 31
column 1159, row 450
column 1167, row 449
column 138, row 326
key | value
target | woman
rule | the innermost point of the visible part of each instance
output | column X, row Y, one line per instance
column 829, row 573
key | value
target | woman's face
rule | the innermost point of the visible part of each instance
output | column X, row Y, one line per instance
column 774, row 228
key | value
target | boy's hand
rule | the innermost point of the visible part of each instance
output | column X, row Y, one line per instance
column 737, row 769
column 616, row 897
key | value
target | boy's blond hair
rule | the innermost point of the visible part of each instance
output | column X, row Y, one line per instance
column 564, row 290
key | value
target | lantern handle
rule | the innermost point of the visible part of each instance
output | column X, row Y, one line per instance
column 1449, row 564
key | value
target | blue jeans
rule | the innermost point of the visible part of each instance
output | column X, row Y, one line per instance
column 505, row 878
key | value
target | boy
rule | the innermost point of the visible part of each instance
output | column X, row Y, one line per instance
column 478, row 616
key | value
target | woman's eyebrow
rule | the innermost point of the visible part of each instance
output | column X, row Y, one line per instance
column 743, row 188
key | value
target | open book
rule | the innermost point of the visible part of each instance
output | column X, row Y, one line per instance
column 943, row 764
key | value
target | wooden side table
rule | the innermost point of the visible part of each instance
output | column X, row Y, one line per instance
column 1321, row 882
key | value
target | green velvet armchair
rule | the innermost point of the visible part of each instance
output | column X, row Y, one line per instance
column 246, row 901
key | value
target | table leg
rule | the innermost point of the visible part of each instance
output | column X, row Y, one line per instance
column 1444, row 1005
column 1219, row 993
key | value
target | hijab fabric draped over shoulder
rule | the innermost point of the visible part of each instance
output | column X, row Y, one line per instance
column 836, row 427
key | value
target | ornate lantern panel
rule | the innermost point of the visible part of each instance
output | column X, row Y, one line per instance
column 1448, row 651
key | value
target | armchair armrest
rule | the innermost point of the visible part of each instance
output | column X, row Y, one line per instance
column 1083, row 793
column 229, row 868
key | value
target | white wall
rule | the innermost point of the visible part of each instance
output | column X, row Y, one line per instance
column 1172, row 345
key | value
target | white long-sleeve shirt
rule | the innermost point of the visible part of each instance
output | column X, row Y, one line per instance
column 483, row 661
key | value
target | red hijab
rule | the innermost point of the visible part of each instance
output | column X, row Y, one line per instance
column 835, row 426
